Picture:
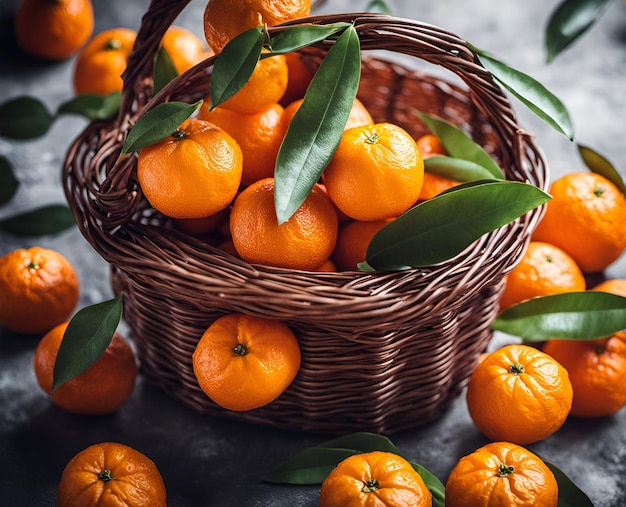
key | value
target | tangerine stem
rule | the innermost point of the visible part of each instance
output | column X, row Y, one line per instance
column 598, row 191
column 370, row 486
column 373, row 139
column 113, row 44
column 516, row 368
column 105, row 476
column 33, row 265
column 504, row 470
column 179, row 134
column 240, row 349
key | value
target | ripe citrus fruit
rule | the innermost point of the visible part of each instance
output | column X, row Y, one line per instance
column 193, row 173
column 544, row 269
column 352, row 242
column 243, row 362
column 101, row 389
column 359, row 115
column 586, row 217
column 100, row 64
column 259, row 136
column 110, row 474
column 38, row 290
column 519, row 394
column 266, row 86
column 225, row 19
column 299, row 74
column 374, row 479
column 612, row 286
column 376, row 172
column 53, row 30
column 184, row 48
column 501, row 474
column 430, row 145
column 303, row 242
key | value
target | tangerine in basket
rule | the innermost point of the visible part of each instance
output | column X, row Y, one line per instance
column 100, row 64
column 612, row 286
column 430, row 145
column 376, row 172
column 110, row 474
column 501, row 474
column 38, row 290
column 193, row 173
column 225, row 19
column 586, row 217
column 372, row 479
column 544, row 269
column 299, row 78
column 184, row 48
column 352, row 242
column 359, row 115
column 243, row 362
column 303, row 242
column 519, row 394
column 258, row 134
column 101, row 389
column 53, row 30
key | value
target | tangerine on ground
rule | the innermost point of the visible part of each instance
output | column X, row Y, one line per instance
column 596, row 369
column 519, row 394
column 53, row 30
column 501, row 474
column 101, row 389
column 258, row 134
column 185, row 48
column 38, row 290
column 193, row 173
column 376, row 172
column 586, row 217
column 266, row 86
column 243, row 362
column 544, row 269
column 359, row 115
column 225, row 19
column 303, row 242
column 352, row 242
column 374, row 479
column 613, row 286
column 110, row 474
column 100, row 64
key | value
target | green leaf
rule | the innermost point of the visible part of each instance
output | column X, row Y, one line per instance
column 569, row 315
column 235, row 64
column 298, row 37
column 600, row 165
column 459, row 145
column 164, row 70
column 456, row 169
column 378, row 6
column 157, row 124
column 92, row 106
column 533, row 94
column 440, row 228
column 568, row 21
column 570, row 495
column 310, row 466
column 316, row 128
column 50, row 219
column 24, row 118
column 8, row 182
column 363, row 442
column 87, row 336
column 434, row 485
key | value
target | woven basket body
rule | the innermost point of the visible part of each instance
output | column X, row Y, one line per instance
column 380, row 351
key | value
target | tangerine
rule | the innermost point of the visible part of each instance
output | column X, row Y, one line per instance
column 38, row 290
column 299, row 75
column 359, row 115
column 519, row 394
column 193, row 173
column 185, row 48
column 612, row 286
column 352, row 242
column 243, row 362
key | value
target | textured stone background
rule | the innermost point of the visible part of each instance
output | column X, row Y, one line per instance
column 212, row 462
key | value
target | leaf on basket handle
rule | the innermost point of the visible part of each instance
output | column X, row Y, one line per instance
column 157, row 124
column 533, row 94
column 8, row 182
column 298, row 37
column 235, row 64
column 600, row 165
column 92, row 106
column 48, row 219
column 459, row 145
column 570, row 495
column 24, row 118
column 584, row 315
column 378, row 6
column 164, row 70
column 568, row 21
column 87, row 336
column 439, row 228
column 316, row 128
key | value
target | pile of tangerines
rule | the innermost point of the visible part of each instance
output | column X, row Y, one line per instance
column 214, row 178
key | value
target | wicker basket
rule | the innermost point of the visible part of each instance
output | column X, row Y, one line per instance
column 380, row 351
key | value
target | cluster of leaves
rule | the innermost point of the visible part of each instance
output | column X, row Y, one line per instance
column 312, row 465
